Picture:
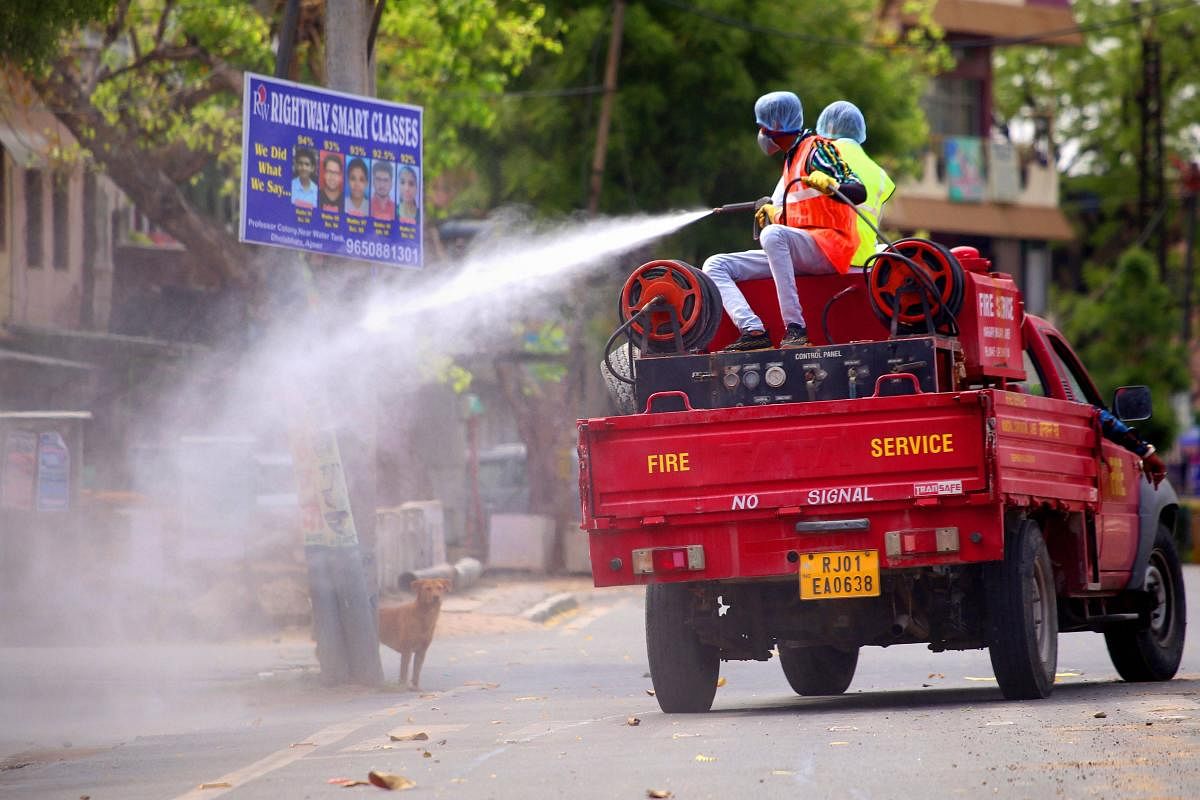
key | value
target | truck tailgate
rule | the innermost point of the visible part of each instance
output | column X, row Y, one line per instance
column 779, row 459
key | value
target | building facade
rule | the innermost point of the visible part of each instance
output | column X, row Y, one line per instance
column 979, row 185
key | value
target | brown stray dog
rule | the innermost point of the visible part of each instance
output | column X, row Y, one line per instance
column 408, row 628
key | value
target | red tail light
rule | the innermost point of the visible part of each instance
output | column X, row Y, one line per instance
column 651, row 560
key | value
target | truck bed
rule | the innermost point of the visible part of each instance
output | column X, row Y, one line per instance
column 920, row 478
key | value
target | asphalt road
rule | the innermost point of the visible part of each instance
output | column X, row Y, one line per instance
column 537, row 711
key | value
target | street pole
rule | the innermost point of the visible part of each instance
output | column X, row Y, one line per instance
column 342, row 580
column 606, row 106
column 1191, row 191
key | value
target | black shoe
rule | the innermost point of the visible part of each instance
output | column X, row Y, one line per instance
column 749, row 341
column 796, row 336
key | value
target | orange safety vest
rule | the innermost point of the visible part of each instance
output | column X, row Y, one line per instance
column 830, row 222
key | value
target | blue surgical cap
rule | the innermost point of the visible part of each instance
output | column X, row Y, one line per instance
column 780, row 112
column 842, row 120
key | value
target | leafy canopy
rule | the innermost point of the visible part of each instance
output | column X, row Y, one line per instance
column 1091, row 91
column 30, row 29
column 1124, row 329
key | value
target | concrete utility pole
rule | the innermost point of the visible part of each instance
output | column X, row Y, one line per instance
column 342, row 580
column 606, row 106
column 1190, row 178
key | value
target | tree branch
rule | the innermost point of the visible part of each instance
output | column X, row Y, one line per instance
column 143, row 178
column 165, row 55
column 168, row 7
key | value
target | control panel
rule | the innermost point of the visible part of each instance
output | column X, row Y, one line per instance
column 763, row 377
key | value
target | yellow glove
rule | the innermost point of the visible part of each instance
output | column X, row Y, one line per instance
column 821, row 182
column 766, row 215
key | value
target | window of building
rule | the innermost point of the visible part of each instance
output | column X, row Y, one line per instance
column 954, row 106
column 60, row 200
column 33, row 218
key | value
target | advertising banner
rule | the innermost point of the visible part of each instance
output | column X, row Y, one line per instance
column 18, row 470
column 965, row 169
column 332, row 173
column 53, row 473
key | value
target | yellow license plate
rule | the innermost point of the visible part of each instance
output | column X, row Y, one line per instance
column 844, row 573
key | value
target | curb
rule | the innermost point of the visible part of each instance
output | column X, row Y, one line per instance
column 555, row 604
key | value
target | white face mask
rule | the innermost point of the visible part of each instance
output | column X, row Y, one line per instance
column 767, row 144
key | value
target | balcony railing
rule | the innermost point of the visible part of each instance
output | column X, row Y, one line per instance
column 970, row 169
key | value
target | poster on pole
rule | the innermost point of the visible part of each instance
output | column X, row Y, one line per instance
column 329, row 172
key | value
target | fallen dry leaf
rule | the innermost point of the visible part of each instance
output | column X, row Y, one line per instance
column 720, row 681
column 389, row 780
column 346, row 783
column 413, row 736
column 1100, row 715
column 217, row 785
column 426, row 754
column 650, row 692
column 658, row 793
column 633, row 721
column 703, row 759
column 936, row 675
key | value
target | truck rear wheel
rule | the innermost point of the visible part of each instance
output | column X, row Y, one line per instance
column 816, row 671
column 1023, row 616
column 1153, row 652
column 682, row 669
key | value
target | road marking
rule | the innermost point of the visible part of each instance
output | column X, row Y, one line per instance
column 583, row 620
column 281, row 758
column 276, row 760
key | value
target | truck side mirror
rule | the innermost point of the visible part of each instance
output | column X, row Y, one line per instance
column 1132, row 403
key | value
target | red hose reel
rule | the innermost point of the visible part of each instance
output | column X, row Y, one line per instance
column 664, row 299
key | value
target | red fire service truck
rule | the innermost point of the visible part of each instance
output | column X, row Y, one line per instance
column 932, row 469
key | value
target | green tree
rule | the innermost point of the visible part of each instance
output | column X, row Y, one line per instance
column 1124, row 329
column 153, row 92
column 683, row 127
column 30, row 30
column 1086, row 100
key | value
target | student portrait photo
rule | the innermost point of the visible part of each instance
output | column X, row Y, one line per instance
column 331, row 181
column 304, row 184
column 408, row 209
column 357, row 202
column 383, row 204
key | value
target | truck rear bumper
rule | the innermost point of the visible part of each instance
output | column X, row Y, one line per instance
column 751, row 548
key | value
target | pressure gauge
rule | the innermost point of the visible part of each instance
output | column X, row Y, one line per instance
column 750, row 379
column 730, row 380
column 775, row 376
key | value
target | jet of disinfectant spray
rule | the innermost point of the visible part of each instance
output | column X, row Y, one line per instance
column 516, row 266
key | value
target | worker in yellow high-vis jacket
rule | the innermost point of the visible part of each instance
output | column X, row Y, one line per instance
column 844, row 123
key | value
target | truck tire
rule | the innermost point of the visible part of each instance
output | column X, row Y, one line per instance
column 1023, row 615
column 816, row 671
column 682, row 669
column 620, row 393
column 1153, row 652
